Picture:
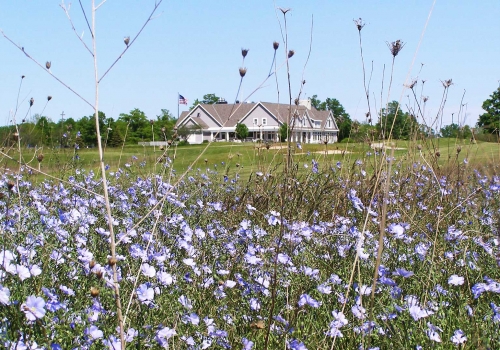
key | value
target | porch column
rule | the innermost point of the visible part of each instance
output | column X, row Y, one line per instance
column 211, row 135
column 227, row 136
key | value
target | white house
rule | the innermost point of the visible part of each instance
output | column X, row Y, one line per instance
column 217, row 122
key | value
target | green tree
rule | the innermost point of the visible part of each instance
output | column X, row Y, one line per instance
column 209, row 99
column 453, row 130
column 164, row 127
column 241, row 131
column 139, row 127
column 403, row 122
column 86, row 127
column 284, row 131
column 490, row 121
column 342, row 118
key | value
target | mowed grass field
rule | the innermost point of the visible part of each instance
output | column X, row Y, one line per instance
column 246, row 158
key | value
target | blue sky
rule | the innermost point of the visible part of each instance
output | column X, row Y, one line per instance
column 193, row 47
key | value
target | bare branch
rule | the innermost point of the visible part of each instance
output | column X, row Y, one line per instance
column 66, row 11
column 102, row 3
column 86, row 19
column 48, row 71
column 132, row 41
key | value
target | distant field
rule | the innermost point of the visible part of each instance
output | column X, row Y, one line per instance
column 245, row 158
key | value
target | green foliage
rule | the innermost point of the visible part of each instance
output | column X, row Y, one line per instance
column 403, row 122
column 454, row 131
column 490, row 121
column 284, row 131
column 241, row 131
column 209, row 99
column 342, row 118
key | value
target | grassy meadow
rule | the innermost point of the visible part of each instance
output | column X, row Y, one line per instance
column 363, row 249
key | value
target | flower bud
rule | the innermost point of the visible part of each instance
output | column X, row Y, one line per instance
column 94, row 292
column 243, row 71
column 276, row 45
column 291, row 53
column 48, row 64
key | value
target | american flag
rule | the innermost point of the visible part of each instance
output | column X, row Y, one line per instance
column 182, row 100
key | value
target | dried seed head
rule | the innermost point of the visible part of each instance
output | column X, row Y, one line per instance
column 297, row 101
column 419, row 147
column 22, row 76
column 284, row 10
column 459, row 149
column 98, row 274
column 112, row 261
column 395, row 47
column 303, row 82
column 206, row 160
column 243, row 71
column 49, row 98
column 1, row 195
column 237, row 165
column 291, row 53
column 10, row 185
column 169, row 142
column 94, row 292
column 39, row 158
column 32, row 100
column 268, row 146
column 48, row 64
column 426, row 98
column 447, row 83
column 438, row 154
column 325, row 142
column 163, row 130
column 276, row 45
column 412, row 84
column 92, row 264
column 244, row 52
column 126, row 40
column 151, row 121
column 162, row 148
column 359, row 23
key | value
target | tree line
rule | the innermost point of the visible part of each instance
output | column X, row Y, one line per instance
column 128, row 128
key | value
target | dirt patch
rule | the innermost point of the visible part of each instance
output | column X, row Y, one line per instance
column 381, row 145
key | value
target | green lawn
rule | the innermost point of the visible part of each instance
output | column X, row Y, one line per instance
column 245, row 158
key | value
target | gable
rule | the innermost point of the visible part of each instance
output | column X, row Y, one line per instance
column 260, row 113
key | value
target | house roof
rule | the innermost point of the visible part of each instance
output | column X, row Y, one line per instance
column 228, row 115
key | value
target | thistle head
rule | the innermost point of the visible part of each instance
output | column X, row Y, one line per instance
column 276, row 45
column 126, row 40
column 395, row 47
column 447, row 83
column 48, row 64
column 32, row 100
column 291, row 53
column 243, row 71
column 49, row 98
column 359, row 23
column 244, row 52
column 39, row 158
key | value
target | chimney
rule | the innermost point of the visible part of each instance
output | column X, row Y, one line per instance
column 305, row 103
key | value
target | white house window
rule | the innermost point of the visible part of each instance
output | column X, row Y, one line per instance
column 264, row 121
column 255, row 121
column 329, row 123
